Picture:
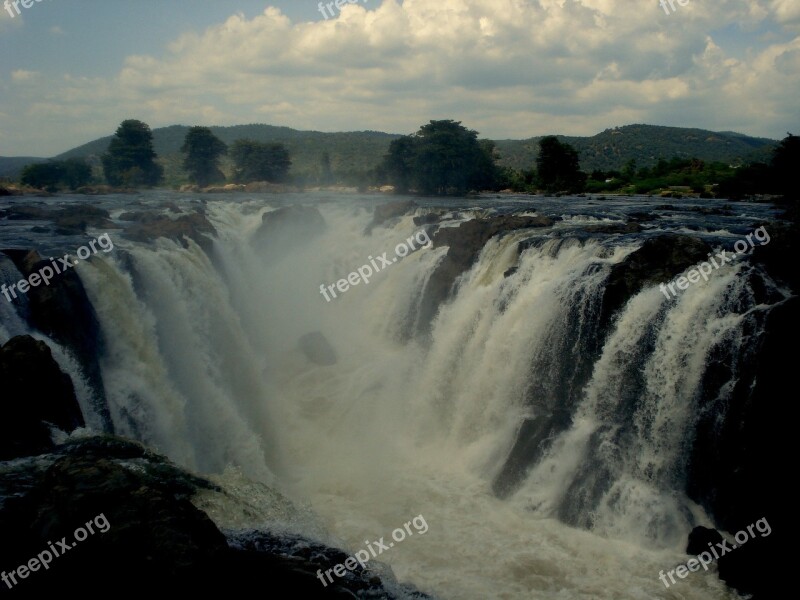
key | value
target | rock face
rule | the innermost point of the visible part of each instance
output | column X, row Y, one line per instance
column 659, row 260
column 35, row 392
column 70, row 220
column 317, row 349
column 63, row 311
column 465, row 243
column 390, row 210
column 194, row 226
column 146, row 533
column 287, row 227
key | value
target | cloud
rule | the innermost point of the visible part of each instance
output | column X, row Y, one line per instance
column 508, row 68
column 23, row 76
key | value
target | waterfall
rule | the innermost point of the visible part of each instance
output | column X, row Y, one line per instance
column 525, row 440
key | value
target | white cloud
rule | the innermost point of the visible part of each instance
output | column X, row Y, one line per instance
column 508, row 68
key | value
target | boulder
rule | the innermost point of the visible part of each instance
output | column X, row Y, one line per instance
column 63, row 311
column 194, row 226
column 288, row 227
column 659, row 260
column 36, row 394
column 391, row 210
column 317, row 349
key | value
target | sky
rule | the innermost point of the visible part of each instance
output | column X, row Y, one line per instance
column 72, row 70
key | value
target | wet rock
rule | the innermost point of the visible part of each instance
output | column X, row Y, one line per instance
column 629, row 227
column 147, row 534
column 391, row 210
column 35, row 393
column 465, row 243
column 286, row 228
column 318, row 349
column 659, row 260
column 62, row 311
column 193, row 226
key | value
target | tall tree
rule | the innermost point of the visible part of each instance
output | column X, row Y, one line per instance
column 203, row 150
column 325, row 175
column 254, row 161
column 558, row 167
column 443, row 157
column 130, row 159
column 785, row 163
column 399, row 163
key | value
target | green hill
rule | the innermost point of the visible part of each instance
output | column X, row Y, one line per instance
column 350, row 152
column 354, row 153
column 646, row 144
column 10, row 166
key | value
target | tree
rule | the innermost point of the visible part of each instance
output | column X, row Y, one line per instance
column 130, row 159
column 71, row 173
column 785, row 163
column 203, row 150
column 254, row 161
column 325, row 175
column 398, row 164
column 443, row 157
column 558, row 167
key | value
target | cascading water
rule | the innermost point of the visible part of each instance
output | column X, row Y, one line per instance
column 202, row 363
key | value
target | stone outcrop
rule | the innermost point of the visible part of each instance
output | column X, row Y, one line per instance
column 36, row 394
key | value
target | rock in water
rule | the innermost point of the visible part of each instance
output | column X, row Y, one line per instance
column 317, row 349
column 35, row 392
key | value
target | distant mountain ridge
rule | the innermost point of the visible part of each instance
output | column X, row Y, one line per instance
column 360, row 151
column 646, row 144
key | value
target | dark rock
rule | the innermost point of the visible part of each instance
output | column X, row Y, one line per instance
column 23, row 212
column 193, row 226
column 62, row 311
column 139, row 216
column 35, row 392
column 288, row 227
column 642, row 217
column 699, row 539
column 317, row 349
column 657, row 261
column 391, row 210
column 430, row 218
column 146, row 533
column 629, row 227
column 465, row 244
column 76, row 218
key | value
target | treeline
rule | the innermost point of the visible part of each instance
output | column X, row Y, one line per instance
column 442, row 158
column 131, row 161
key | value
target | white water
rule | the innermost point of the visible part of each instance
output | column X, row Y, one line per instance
column 203, row 365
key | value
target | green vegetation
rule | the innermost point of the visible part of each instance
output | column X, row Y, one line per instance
column 203, row 150
column 558, row 167
column 57, row 174
column 130, row 159
column 254, row 161
column 442, row 158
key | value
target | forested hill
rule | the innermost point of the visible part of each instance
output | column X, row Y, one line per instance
column 646, row 144
column 358, row 152
column 355, row 151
